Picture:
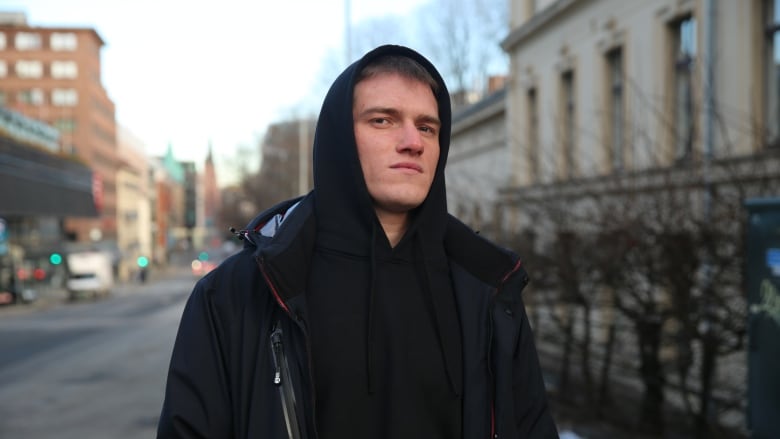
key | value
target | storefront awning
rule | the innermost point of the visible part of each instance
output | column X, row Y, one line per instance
column 37, row 182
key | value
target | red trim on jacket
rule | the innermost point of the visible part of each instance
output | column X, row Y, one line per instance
column 273, row 289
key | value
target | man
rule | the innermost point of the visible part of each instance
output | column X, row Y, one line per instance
column 362, row 310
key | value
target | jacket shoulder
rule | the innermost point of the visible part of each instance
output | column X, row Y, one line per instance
column 481, row 257
column 266, row 224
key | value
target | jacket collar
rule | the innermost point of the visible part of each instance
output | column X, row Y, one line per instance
column 486, row 261
column 284, row 237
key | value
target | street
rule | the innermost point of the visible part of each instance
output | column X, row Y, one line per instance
column 90, row 369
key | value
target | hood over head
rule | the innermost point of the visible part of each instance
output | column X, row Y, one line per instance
column 344, row 208
column 347, row 225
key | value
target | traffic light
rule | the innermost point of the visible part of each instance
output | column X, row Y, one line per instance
column 203, row 256
column 55, row 259
column 142, row 261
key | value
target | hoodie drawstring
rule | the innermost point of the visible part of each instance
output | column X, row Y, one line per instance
column 435, row 310
column 371, row 306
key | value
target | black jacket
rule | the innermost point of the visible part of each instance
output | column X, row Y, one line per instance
column 242, row 363
column 241, row 352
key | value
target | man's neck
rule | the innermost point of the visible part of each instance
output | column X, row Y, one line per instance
column 394, row 224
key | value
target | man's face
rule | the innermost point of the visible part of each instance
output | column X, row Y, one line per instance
column 396, row 121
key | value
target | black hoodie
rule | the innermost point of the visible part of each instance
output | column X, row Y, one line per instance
column 386, row 348
column 245, row 364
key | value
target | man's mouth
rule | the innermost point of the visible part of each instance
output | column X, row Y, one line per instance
column 407, row 165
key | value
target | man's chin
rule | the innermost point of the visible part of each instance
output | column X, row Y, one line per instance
column 397, row 207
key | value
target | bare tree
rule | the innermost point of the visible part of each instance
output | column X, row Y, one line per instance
column 667, row 244
column 463, row 38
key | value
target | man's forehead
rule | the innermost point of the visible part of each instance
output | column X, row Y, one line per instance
column 387, row 100
column 394, row 74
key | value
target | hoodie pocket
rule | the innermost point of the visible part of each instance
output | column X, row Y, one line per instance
column 283, row 382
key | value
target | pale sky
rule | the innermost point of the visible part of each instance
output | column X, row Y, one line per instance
column 193, row 71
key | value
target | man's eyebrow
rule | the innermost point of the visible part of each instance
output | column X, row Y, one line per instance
column 380, row 110
column 433, row 120
column 394, row 112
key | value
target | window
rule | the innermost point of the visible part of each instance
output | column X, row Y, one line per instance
column 64, row 97
column 65, row 125
column 533, row 134
column 27, row 41
column 64, row 69
column 569, row 108
column 32, row 96
column 3, row 69
column 3, row 98
column 63, row 41
column 615, row 107
column 684, row 44
column 2, row 41
column 29, row 69
column 772, row 71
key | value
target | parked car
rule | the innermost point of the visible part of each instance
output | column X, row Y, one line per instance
column 89, row 273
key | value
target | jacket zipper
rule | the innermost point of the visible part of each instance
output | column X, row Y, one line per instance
column 278, row 297
column 282, row 381
column 493, row 434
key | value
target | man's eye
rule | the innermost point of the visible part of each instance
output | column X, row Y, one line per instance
column 427, row 129
column 380, row 121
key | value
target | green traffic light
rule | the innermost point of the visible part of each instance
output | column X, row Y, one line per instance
column 55, row 258
column 142, row 261
column 203, row 256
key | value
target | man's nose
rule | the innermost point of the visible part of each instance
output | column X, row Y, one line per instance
column 411, row 140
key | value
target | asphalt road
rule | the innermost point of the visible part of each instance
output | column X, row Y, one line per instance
column 90, row 369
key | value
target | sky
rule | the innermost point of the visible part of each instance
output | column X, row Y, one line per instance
column 193, row 72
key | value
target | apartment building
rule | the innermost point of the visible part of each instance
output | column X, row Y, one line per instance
column 53, row 74
column 637, row 131
column 608, row 86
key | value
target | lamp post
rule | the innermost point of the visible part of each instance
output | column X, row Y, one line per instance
column 348, row 29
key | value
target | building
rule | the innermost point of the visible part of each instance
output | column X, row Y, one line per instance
column 211, row 198
column 170, row 216
column 636, row 131
column 134, row 204
column 602, row 87
column 285, row 170
column 53, row 74
column 211, row 202
column 38, row 188
column 162, row 189
column 478, row 163
column 191, row 196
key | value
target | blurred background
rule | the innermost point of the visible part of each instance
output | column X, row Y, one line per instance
column 629, row 150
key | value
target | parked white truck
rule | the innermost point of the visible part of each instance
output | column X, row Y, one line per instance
column 89, row 273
